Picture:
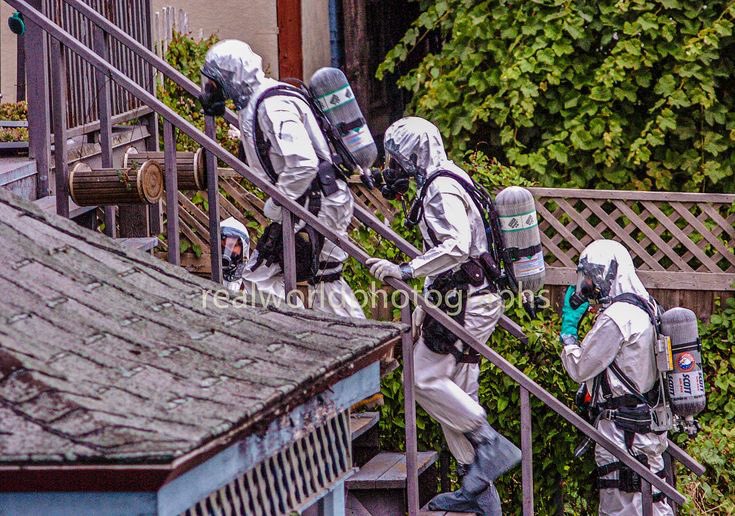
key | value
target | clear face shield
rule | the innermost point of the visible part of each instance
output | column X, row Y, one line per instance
column 212, row 97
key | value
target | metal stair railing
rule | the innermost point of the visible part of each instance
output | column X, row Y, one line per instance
column 215, row 151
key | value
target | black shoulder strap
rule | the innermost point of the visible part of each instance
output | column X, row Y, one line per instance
column 636, row 300
column 417, row 208
column 262, row 145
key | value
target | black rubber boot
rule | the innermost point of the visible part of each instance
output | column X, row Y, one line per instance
column 487, row 503
column 494, row 455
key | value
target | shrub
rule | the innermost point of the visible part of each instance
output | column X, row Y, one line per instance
column 601, row 94
column 186, row 54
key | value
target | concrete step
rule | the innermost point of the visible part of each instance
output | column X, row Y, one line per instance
column 19, row 176
column 48, row 204
column 140, row 243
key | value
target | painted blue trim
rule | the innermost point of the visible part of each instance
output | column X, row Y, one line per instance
column 184, row 491
column 336, row 39
column 333, row 504
column 77, row 504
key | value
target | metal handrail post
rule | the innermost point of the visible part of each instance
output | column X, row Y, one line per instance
column 289, row 255
column 58, row 92
column 646, row 498
column 409, row 404
column 210, row 130
column 104, row 107
column 343, row 242
column 172, row 193
column 526, row 454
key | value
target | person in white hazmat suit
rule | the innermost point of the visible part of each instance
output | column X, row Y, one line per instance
column 616, row 361
column 446, row 374
column 295, row 149
column 235, row 244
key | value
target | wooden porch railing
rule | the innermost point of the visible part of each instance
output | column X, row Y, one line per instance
column 215, row 151
column 681, row 243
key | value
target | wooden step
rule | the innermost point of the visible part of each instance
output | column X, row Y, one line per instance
column 361, row 422
column 379, row 487
column 387, row 470
column 140, row 243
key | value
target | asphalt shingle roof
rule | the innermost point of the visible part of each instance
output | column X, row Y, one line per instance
column 109, row 356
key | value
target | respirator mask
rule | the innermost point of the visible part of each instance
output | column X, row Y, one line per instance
column 392, row 180
column 233, row 264
column 212, row 97
column 593, row 284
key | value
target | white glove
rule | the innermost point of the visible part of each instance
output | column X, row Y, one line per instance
column 382, row 269
column 272, row 211
column 417, row 318
column 233, row 132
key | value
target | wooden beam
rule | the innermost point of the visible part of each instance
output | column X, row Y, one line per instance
column 629, row 195
column 664, row 280
column 357, row 51
column 290, row 52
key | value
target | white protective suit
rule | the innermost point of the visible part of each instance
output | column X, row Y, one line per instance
column 447, row 390
column 296, row 146
column 622, row 333
column 233, row 226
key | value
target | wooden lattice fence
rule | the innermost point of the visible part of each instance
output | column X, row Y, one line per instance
column 681, row 243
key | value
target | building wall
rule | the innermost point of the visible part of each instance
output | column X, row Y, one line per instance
column 253, row 21
column 315, row 35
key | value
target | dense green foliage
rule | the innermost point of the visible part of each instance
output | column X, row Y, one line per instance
column 602, row 94
column 186, row 54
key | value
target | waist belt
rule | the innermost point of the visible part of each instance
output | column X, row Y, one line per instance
column 627, row 400
column 628, row 480
column 630, row 419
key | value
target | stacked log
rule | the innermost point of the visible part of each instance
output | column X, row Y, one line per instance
column 190, row 168
column 139, row 184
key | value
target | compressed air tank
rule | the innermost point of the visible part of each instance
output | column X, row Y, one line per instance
column 686, row 380
column 521, row 236
column 332, row 91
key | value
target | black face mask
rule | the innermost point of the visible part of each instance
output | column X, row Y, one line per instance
column 393, row 181
column 212, row 98
column 591, row 284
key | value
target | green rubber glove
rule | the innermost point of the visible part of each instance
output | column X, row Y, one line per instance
column 570, row 318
